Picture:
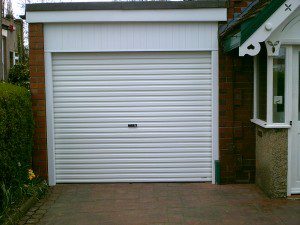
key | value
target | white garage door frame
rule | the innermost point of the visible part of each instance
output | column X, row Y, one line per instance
column 179, row 31
column 50, row 115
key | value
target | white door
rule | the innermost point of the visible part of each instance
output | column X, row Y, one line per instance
column 132, row 117
column 295, row 153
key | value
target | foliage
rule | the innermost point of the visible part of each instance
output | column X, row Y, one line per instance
column 16, row 143
column 8, row 9
column 21, row 49
column 16, row 132
column 13, row 197
column 19, row 75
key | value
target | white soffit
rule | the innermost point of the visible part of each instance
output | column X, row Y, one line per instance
column 167, row 15
column 268, row 27
column 287, row 33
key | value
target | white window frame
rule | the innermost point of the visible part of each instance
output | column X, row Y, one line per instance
column 269, row 117
column 15, row 58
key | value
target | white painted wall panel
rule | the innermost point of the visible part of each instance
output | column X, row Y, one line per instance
column 99, row 37
column 96, row 96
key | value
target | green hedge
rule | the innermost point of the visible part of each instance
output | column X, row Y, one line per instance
column 16, row 141
column 19, row 75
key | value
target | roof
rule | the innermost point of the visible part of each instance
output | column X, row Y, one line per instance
column 250, row 11
column 256, row 21
column 134, row 5
column 238, row 30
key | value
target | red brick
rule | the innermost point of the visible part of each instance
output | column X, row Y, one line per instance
column 236, row 6
column 37, row 77
column 41, row 155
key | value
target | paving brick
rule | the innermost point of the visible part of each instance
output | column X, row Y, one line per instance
column 40, row 211
column 29, row 213
column 22, row 222
column 33, row 209
column 32, row 221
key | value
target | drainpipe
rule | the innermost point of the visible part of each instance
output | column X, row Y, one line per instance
column 1, row 58
column 217, row 172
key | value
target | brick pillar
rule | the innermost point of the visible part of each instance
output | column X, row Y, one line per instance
column 226, row 144
column 37, row 87
column 237, row 133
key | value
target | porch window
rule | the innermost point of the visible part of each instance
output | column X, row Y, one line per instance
column 270, row 89
column 279, row 87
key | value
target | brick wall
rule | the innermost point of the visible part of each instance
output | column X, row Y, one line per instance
column 237, row 137
column 237, row 133
column 37, row 87
column 236, row 6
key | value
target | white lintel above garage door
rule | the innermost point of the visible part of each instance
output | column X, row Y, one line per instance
column 95, row 37
column 163, row 15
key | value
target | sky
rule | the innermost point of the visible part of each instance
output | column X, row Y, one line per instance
column 19, row 8
column 18, row 5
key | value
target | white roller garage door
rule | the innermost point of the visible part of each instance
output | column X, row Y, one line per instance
column 98, row 96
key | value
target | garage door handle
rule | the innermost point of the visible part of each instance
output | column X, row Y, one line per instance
column 132, row 125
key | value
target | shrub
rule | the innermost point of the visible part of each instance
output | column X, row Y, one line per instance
column 16, row 141
column 19, row 75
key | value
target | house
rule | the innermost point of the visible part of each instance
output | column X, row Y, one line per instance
column 266, row 37
column 193, row 91
column 12, row 43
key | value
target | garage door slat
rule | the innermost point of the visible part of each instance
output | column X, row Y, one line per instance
column 118, row 125
column 134, row 160
column 70, row 166
column 135, row 150
column 84, row 76
column 134, row 97
column 138, row 180
column 144, row 170
column 127, row 130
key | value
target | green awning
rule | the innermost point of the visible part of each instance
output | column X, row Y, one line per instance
column 248, row 27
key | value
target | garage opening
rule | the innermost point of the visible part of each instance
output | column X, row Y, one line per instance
column 132, row 116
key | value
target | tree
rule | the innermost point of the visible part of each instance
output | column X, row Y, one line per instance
column 8, row 10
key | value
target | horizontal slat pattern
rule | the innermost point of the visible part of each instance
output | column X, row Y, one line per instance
column 97, row 95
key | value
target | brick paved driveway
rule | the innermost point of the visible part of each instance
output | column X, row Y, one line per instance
column 161, row 203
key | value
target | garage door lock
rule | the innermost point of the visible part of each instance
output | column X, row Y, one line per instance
column 132, row 125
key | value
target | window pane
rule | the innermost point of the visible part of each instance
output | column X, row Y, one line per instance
column 262, row 85
column 278, row 87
